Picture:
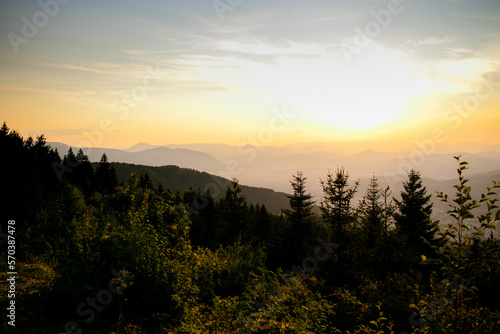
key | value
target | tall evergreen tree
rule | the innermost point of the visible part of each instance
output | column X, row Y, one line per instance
column 374, row 212
column 80, row 156
column 301, row 203
column 389, row 209
column 202, row 230
column 106, row 176
column 258, row 225
column 412, row 217
column 232, row 210
column 69, row 163
column 336, row 205
column 29, row 183
column 145, row 181
column 70, row 159
column 83, row 174
column 371, row 213
column 300, row 215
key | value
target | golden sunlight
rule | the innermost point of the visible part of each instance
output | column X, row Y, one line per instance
column 369, row 93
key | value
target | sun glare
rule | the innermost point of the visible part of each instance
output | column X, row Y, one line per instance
column 367, row 93
column 378, row 88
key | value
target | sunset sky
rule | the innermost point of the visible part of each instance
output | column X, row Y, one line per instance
column 115, row 73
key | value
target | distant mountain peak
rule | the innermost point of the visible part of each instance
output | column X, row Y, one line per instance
column 140, row 147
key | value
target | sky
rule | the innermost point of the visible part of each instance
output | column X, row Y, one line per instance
column 116, row 73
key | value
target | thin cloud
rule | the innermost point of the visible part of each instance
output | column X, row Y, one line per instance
column 31, row 89
column 430, row 41
column 73, row 67
column 293, row 48
column 475, row 16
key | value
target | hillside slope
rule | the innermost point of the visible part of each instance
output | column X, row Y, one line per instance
column 178, row 179
column 156, row 156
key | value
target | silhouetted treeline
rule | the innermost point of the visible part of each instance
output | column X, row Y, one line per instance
column 103, row 257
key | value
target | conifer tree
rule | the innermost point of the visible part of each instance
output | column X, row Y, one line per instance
column 301, row 203
column 371, row 213
column 202, row 230
column 232, row 209
column 106, row 176
column 412, row 218
column 70, row 159
column 145, row 182
column 336, row 205
column 300, row 215
column 4, row 131
column 235, row 201
column 83, row 174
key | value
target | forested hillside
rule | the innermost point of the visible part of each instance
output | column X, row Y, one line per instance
column 176, row 179
column 97, row 256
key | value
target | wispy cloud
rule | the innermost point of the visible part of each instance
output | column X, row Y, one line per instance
column 430, row 41
column 292, row 48
column 489, row 17
column 32, row 89
column 101, row 68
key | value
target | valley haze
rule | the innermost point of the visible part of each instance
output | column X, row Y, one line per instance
column 273, row 166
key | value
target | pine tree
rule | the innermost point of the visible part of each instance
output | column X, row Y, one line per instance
column 300, row 215
column 412, row 218
column 83, row 174
column 80, row 156
column 232, row 210
column 371, row 213
column 336, row 205
column 4, row 131
column 145, row 182
column 70, row 160
column 235, row 201
column 106, row 176
column 29, row 183
column 301, row 203
column 389, row 209
column 202, row 230
column 258, row 225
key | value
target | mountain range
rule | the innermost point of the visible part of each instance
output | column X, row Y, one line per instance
column 273, row 166
column 264, row 173
column 173, row 179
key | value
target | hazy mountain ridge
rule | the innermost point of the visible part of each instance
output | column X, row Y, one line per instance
column 278, row 163
column 272, row 167
column 152, row 156
column 179, row 179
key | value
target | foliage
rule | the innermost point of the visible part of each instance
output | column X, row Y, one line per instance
column 336, row 205
column 413, row 220
column 464, row 259
column 301, row 218
column 373, row 213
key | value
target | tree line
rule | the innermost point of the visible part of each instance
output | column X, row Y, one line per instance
column 193, row 264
